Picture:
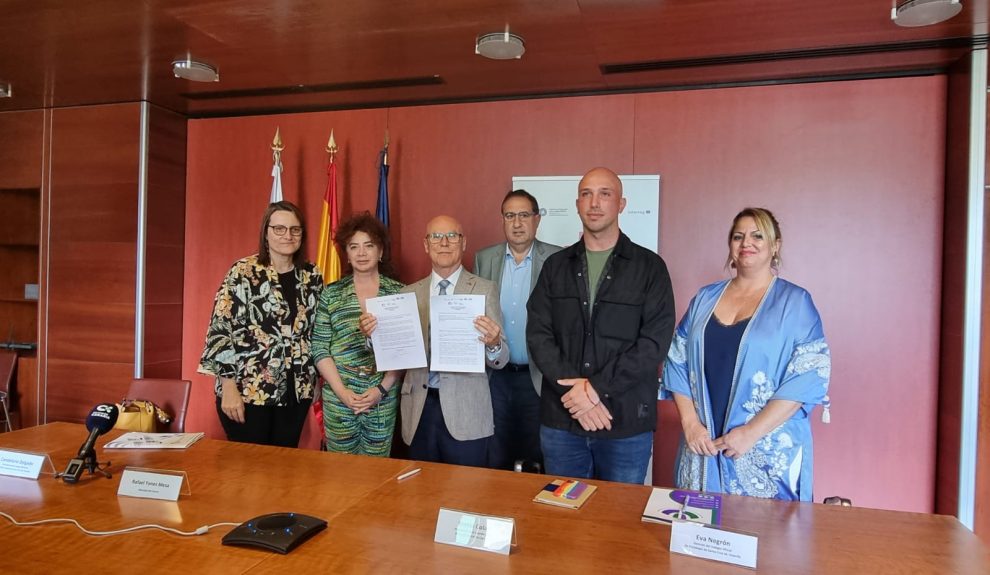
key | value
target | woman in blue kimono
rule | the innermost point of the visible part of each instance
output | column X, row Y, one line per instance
column 747, row 366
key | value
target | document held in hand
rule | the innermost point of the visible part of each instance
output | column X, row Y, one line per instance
column 454, row 343
column 398, row 339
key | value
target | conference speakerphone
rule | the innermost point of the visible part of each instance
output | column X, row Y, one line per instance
column 280, row 532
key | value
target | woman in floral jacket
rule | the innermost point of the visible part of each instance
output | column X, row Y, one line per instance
column 747, row 366
column 258, row 343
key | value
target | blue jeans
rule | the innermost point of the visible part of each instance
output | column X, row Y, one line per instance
column 625, row 460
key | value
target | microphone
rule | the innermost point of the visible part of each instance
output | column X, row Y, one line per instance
column 100, row 420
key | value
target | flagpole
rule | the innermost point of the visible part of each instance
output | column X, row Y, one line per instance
column 327, row 258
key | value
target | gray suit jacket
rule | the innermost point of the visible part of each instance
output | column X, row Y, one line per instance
column 465, row 399
column 489, row 262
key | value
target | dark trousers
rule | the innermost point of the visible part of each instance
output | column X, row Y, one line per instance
column 267, row 425
column 433, row 442
column 516, row 407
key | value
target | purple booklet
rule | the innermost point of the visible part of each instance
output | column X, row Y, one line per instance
column 665, row 505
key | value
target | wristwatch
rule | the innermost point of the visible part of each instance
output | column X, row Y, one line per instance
column 382, row 390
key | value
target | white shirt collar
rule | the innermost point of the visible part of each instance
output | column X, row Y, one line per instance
column 452, row 278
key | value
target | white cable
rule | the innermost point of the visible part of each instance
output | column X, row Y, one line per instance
column 199, row 530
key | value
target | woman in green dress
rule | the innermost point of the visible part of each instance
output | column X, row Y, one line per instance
column 359, row 403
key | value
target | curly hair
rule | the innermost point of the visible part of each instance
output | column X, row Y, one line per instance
column 369, row 224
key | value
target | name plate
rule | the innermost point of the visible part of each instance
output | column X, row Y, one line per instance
column 707, row 542
column 21, row 463
column 150, row 485
column 481, row 532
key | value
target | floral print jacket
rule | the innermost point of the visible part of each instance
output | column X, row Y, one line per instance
column 247, row 340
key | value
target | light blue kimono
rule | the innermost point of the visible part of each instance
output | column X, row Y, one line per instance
column 782, row 355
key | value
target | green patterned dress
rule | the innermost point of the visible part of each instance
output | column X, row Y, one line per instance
column 336, row 335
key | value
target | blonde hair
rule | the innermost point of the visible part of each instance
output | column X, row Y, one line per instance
column 768, row 226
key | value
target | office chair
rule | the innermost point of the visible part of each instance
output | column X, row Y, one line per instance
column 172, row 395
column 8, row 363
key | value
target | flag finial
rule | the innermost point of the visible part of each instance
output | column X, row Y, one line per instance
column 277, row 147
column 331, row 145
column 385, row 151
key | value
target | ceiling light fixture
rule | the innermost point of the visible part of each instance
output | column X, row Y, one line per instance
column 6, row 90
column 500, row 45
column 914, row 13
column 196, row 71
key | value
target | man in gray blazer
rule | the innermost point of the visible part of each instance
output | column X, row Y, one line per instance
column 514, row 265
column 446, row 416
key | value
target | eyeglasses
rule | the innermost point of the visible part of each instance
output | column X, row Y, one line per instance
column 523, row 216
column 296, row 231
column 437, row 237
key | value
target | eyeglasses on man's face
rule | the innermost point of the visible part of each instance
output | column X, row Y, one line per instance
column 523, row 216
column 296, row 231
column 438, row 237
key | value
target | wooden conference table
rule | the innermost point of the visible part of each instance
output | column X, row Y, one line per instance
column 380, row 525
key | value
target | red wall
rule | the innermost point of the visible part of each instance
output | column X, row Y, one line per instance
column 853, row 170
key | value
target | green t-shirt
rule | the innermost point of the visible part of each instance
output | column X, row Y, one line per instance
column 596, row 264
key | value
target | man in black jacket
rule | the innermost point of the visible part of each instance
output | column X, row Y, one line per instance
column 601, row 319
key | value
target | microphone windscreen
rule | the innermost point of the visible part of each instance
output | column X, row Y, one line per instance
column 103, row 417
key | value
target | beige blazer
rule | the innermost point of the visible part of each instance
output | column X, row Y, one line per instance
column 464, row 397
column 489, row 262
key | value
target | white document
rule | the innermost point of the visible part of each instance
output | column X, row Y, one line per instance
column 454, row 343
column 138, row 440
column 398, row 339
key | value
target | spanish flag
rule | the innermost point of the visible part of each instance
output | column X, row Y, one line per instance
column 327, row 258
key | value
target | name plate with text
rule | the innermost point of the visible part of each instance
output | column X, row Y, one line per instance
column 21, row 463
column 151, row 484
column 708, row 542
column 481, row 532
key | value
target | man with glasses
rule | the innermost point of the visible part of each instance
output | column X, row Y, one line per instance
column 601, row 318
column 446, row 416
column 514, row 265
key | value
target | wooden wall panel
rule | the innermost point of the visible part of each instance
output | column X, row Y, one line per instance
column 162, row 333
column 93, row 211
column 23, row 215
column 816, row 153
column 74, row 387
column 27, row 391
column 20, row 320
column 164, row 237
column 21, row 155
column 20, row 266
column 22, row 161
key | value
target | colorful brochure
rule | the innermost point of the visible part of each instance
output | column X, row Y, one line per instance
column 665, row 505
column 565, row 493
